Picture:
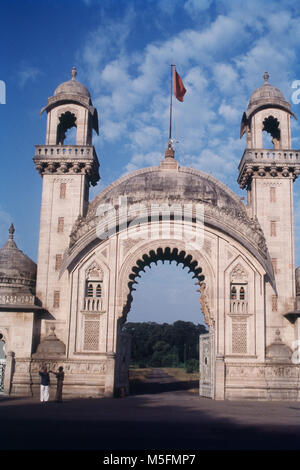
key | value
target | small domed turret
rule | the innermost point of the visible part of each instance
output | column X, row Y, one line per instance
column 17, row 271
column 72, row 87
column 71, row 107
column 267, row 95
column 267, row 111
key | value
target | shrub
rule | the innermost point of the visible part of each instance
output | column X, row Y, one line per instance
column 192, row 365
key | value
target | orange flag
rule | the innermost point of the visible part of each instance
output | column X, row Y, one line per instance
column 179, row 90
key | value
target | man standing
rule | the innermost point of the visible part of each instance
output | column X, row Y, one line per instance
column 60, row 375
column 45, row 382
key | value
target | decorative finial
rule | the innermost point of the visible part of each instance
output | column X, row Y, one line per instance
column 170, row 144
column 52, row 330
column 277, row 336
column 11, row 231
column 169, row 152
column 74, row 73
column 266, row 77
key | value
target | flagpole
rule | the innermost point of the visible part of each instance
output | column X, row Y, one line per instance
column 170, row 129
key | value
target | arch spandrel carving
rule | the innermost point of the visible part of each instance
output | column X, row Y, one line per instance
column 223, row 211
column 94, row 271
column 238, row 273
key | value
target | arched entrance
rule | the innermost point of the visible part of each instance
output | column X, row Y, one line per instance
column 166, row 335
column 193, row 260
column 2, row 363
column 182, row 216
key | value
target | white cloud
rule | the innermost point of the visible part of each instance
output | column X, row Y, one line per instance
column 197, row 6
column 27, row 73
column 226, row 78
column 131, row 87
column 228, row 112
column 112, row 131
column 140, row 160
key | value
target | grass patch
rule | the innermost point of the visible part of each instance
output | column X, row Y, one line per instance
column 139, row 375
column 181, row 374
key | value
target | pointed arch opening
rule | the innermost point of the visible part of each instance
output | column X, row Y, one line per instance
column 166, row 342
column 66, row 129
column 180, row 257
column 271, row 133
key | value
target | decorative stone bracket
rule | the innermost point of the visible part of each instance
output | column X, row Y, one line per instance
column 266, row 163
column 72, row 159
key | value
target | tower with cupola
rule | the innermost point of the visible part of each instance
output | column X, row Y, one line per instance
column 68, row 168
column 268, row 172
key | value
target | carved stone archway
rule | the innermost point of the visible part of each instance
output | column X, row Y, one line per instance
column 150, row 252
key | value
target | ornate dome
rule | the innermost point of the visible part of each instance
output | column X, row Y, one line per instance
column 267, row 95
column 17, row 271
column 72, row 87
column 180, row 186
column 266, row 92
column 73, row 91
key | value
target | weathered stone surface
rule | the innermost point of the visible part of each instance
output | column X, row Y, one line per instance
column 50, row 347
column 278, row 352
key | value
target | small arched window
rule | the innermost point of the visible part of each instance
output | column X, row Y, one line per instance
column 271, row 127
column 66, row 121
column 242, row 293
column 233, row 293
column 90, row 290
column 98, row 290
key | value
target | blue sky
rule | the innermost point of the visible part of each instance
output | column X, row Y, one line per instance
column 122, row 51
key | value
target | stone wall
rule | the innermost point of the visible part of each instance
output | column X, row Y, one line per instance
column 83, row 378
column 262, row 381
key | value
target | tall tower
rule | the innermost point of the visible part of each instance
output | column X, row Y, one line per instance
column 67, row 172
column 268, row 175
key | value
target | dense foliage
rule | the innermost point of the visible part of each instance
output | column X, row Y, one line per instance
column 165, row 345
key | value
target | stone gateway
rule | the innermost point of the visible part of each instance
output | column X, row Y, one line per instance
column 69, row 310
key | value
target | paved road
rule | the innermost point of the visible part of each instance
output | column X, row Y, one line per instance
column 167, row 418
column 160, row 382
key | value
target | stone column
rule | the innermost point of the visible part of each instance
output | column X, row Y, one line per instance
column 9, row 370
column 110, row 374
column 220, row 377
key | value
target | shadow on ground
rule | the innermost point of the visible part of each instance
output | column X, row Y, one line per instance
column 173, row 420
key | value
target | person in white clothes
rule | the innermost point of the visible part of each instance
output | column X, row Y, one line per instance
column 45, row 383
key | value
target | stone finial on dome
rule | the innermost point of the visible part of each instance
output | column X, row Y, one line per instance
column 266, row 77
column 11, row 231
column 169, row 162
column 169, row 152
column 10, row 244
column 74, row 73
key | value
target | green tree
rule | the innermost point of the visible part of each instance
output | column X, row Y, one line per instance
column 164, row 344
